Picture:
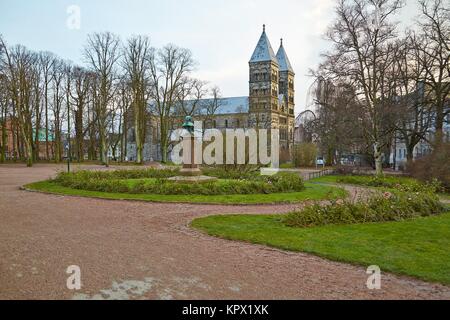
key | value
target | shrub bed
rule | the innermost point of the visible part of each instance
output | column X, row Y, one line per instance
column 233, row 172
column 404, row 184
column 153, row 182
column 118, row 174
column 379, row 208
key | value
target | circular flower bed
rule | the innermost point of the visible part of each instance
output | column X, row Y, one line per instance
column 154, row 181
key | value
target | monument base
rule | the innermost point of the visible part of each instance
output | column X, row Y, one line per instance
column 192, row 179
column 190, row 172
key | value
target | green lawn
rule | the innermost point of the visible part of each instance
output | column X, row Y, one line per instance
column 445, row 196
column 325, row 179
column 419, row 248
column 363, row 180
column 311, row 192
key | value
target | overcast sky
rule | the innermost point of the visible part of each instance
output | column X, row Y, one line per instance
column 222, row 34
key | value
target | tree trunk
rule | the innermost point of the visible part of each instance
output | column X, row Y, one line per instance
column 137, row 134
column 409, row 154
column 47, row 153
column 123, row 145
column 439, row 136
column 28, row 146
column 29, row 154
column 377, row 154
column 163, row 142
column 105, row 152
column 3, row 146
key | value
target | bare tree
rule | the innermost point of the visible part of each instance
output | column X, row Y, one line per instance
column 190, row 97
column 46, row 61
column 212, row 105
column 58, row 74
column 17, row 64
column 335, row 125
column 362, row 35
column 4, row 103
column 102, row 53
column 80, row 96
column 414, row 112
column 137, row 55
column 124, row 106
column 169, row 67
column 433, row 42
column 91, row 117
column 4, row 109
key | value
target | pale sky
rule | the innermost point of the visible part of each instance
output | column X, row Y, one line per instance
column 221, row 34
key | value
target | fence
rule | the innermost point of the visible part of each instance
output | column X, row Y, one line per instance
column 317, row 174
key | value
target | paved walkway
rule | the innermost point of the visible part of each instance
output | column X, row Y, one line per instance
column 142, row 250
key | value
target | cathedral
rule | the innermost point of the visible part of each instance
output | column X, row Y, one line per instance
column 270, row 103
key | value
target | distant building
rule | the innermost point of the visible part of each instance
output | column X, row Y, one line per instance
column 12, row 146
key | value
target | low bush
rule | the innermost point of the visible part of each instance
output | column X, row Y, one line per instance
column 287, row 165
column 118, row 174
column 232, row 171
column 352, row 170
column 305, row 155
column 404, row 184
column 153, row 182
column 435, row 166
column 379, row 208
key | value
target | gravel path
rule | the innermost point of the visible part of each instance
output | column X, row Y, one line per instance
column 136, row 250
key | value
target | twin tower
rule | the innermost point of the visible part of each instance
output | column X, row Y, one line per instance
column 271, row 96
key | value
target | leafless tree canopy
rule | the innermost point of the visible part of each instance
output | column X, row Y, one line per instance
column 121, row 85
column 400, row 82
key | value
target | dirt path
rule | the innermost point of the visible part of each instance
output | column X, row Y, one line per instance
column 135, row 250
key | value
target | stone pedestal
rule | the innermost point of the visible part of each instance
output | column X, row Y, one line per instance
column 190, row 173
column 190, row 168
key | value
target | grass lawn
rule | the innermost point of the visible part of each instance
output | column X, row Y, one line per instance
column 445, row 196
column 311, row 192
column 419, row 248
column 326, row 179
column 362, row 180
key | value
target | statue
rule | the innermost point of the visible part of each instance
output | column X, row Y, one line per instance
column 190, row 172
column 188, row 124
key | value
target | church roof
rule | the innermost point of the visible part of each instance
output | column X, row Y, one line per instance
column 283, row 60
column 229, row 105
column 263, row 51
column 233, row 105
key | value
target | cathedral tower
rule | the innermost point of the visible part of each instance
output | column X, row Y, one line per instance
column 287, row 75
column 263, row 84
column 287, row 94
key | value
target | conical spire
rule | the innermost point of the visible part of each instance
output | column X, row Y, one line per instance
column 283, row 60
column 263, row 51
